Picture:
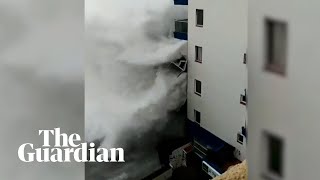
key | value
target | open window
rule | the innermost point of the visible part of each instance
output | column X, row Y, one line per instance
column 198, row 54
column 275, row 46
column 197, row 87
column 243, row 98
column 199, row 17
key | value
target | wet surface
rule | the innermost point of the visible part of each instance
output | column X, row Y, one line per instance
column 141, row 155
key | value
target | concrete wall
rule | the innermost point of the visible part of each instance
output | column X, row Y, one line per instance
column 223, row 39
column 287, row 106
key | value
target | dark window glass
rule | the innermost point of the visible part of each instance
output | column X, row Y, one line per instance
column 199, row 18
column 181, row 26
column 197, row 116
column 240, row 138
column 243, row 98
column 275, row 155
column 276, row 46
column 198, row 54
column 198, row 87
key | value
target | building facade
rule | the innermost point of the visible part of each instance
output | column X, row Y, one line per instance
column 217, row 73
column 284, row 86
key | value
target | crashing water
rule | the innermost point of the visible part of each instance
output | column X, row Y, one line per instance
column 130, row 91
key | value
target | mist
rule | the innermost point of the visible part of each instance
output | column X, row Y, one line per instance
column 125, row 82
column 130, row 90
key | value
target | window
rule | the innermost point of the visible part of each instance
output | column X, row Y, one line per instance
column 243, row 98
column 197, row 116
column 276, row 46
column 240, row 138
column 274, row 156
column 197, row 87
column 198, row 54
column 199, row 17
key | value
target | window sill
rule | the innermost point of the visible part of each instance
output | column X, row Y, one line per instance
column 198, row 61
column 199, row 94
column 270, row 176
column 242, row 100
column 243, row 103
column 277, row 69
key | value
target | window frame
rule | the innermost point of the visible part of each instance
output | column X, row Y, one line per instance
column 197, row 15
column 239, row 136
column 195, row 116
column 244, row 97
column 195, row 87
column 267, row 172
column 245, row 58
column 197, row 48
column 271, row 63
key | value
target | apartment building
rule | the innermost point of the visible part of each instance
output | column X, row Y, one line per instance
column 217, row 71
column 284, row 86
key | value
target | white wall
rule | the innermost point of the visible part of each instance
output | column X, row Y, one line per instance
column 224, row 77
column 287, row 106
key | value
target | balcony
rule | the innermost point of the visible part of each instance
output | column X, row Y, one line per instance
column 180, row 2
column 181, row 29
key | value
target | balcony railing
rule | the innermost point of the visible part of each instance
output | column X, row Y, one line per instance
column 180, row 2
column 181, row 29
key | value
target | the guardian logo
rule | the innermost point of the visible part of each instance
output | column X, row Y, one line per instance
column 68, row 150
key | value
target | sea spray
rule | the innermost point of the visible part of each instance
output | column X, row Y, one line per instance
column 130, row 91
